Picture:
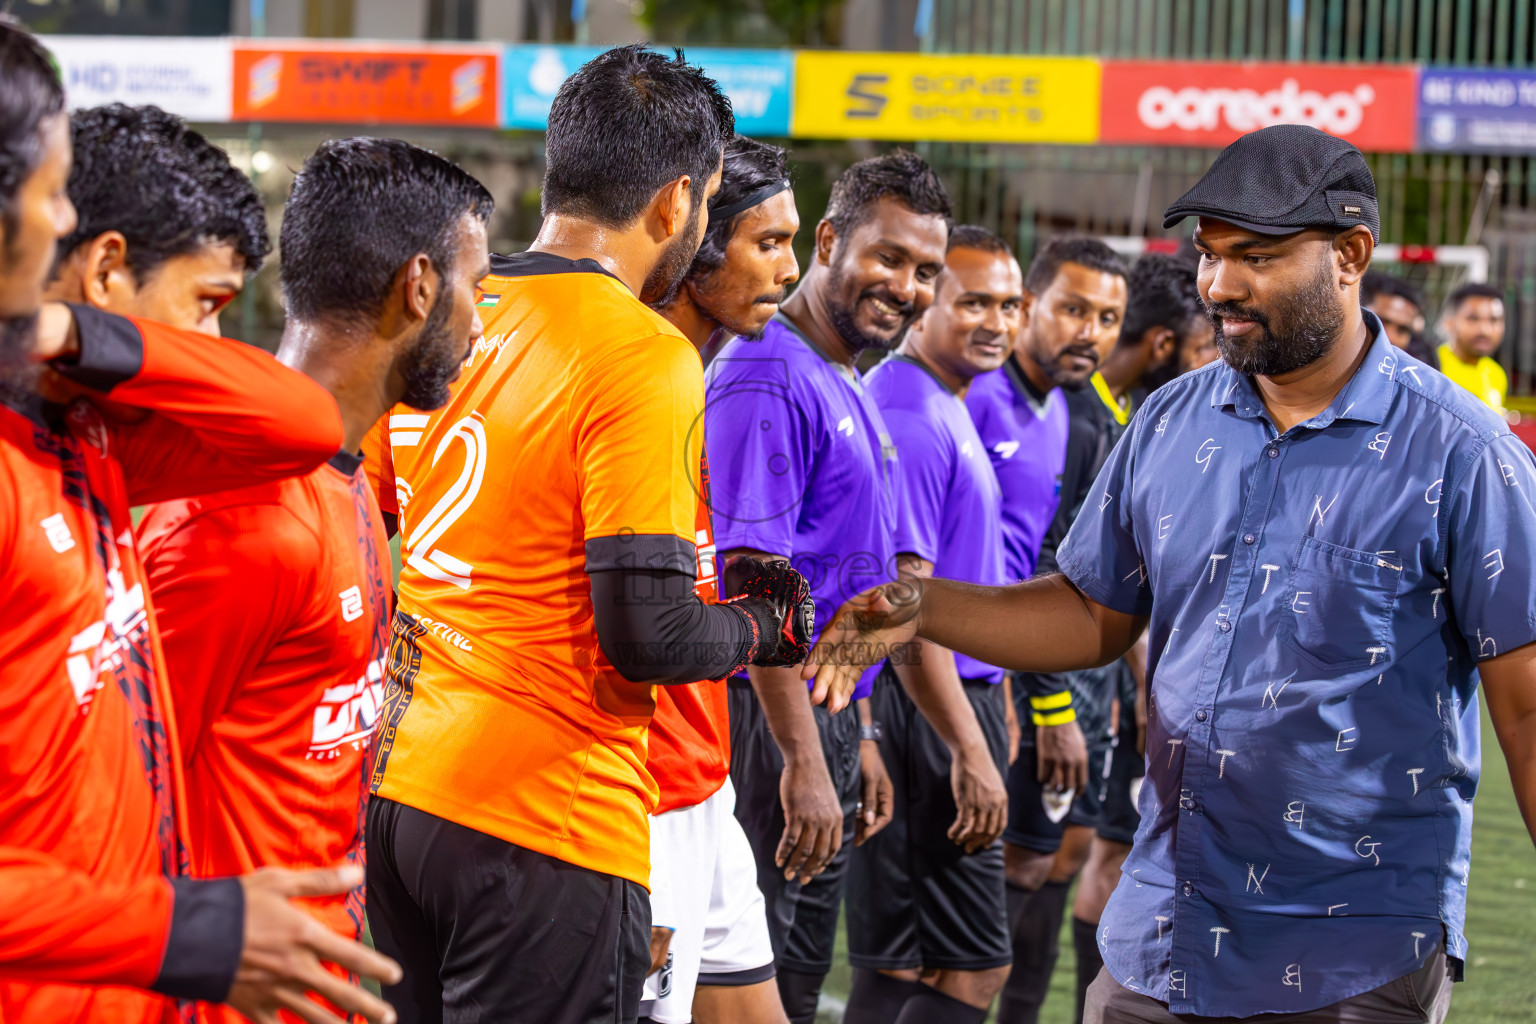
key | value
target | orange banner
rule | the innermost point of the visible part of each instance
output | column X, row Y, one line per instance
column 366, row 85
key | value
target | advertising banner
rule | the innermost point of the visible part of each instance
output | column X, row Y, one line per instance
column 948, row 98
column 366, row 84
column 1477, row 111
column 1184, row 103
column 758, row 83
column 188, row 77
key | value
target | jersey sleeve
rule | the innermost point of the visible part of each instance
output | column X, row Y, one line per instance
column 761, row 455
column 637, row 419
column 223, row 414
column 1101, row 555
column 1490, row 532
column 924, row 469
column 226, row 583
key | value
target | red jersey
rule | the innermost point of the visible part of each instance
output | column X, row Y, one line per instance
column 689, row 748
column 91, row 796
column 273, row 604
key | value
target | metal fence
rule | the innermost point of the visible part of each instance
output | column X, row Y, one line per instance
column 1426, row 199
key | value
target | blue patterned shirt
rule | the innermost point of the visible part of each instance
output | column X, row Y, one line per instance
column 1319, row 601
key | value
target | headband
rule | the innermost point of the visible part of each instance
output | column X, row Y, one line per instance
column 761, row 195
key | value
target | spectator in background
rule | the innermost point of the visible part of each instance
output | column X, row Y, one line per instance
column 1474, row 323
column 1400, row 306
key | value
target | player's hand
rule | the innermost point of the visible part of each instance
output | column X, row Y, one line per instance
column 1063, row 756
column 980, row 799
column 813, row 818
column 779, row 601
column 862, row 633
column 661, row 941
column 877, row 796
column 280, row 962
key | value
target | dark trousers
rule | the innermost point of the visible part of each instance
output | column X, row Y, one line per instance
column 492, row 933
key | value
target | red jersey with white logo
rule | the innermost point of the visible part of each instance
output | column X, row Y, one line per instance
column 91, row 798
column 273, row 603
column 689, row 747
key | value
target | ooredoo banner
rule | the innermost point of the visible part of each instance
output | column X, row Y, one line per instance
column 188, row 77
column 1185, row 103
column 366, row 84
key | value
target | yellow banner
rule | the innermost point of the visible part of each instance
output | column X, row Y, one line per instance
column 943, row 98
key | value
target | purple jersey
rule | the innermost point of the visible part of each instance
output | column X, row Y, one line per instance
column 949, row 506
column 801, row 465
column 1025, row 434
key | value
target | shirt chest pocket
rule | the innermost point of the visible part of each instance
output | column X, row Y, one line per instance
column 1338, row 606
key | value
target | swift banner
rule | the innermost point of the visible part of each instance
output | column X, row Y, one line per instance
column 960, row 98
column 1183, row 103
column 1483, row 111
column 366, row 84
column 757, row 82
column 187, row 77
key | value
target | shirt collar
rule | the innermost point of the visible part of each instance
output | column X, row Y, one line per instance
column 1365, row 398
column 848, row 373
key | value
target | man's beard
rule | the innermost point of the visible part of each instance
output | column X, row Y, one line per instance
column 674, row 263
column 845, row 317
column 434, row 362
column 705, row 298
column 18, row 373
column 1314, row 317
column 1067, row 380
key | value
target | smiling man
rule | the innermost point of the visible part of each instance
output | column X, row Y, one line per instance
column 1324, row 537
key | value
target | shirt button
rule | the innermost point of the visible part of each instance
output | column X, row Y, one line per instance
column 1202, row 715
column 1249, row 538
column 1189, row 888
column 1273, row 452
column 1224, row 626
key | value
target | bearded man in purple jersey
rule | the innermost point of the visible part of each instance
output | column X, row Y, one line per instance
column 802, row 468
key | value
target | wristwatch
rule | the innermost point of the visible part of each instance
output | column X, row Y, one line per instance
column 872, row 731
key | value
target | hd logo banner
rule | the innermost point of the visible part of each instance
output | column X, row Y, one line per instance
column 945, row 98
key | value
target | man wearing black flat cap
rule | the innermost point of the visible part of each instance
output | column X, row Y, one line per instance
column 1330, row 544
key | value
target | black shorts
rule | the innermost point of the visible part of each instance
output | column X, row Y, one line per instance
column 1119, row 819
column 915, row 899
column 802, row 919
column 488, row 931
column 1029, row 812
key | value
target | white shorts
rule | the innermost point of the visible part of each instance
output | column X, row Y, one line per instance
column 704, row 888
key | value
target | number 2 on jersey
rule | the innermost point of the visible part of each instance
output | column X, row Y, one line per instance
column 421, row 552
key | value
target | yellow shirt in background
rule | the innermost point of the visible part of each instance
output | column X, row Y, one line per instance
column 1486, row 379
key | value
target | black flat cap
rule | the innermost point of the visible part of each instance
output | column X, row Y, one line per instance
column 1282, row 179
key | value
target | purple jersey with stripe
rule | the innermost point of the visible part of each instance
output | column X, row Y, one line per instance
column 801, row 465
column 1025, row 435
column 949, row 506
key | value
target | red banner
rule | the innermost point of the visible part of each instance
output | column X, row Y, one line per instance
column 366, row 85
column 1200, row 104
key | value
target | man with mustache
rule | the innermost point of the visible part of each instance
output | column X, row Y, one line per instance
column 552, row 572
column 1474, row 323
column 1400, row 308
column 1327, row 540
column 927, row 927
column 803, row 470
column 1075, row 299
column 274, row 601
column 711, row 958
column 99, row 921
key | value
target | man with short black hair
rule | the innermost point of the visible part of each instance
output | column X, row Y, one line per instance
column 1474, row 326
column 1400, row 308
column 803, row 469
column 169, row 229
column 98, row 413
column 274, row 601
column 508, row 837
column 1317, row 530
column 927, row 926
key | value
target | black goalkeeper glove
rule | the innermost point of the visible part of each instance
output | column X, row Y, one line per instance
column 778, row 601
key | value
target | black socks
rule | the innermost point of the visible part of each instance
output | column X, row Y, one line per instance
column 930, row 1006
column 800, row 993
column 878, row 998
column 1036, row 938
column 1085, row 943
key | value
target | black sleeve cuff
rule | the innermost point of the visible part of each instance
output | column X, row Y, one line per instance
column 662, row 552
column 111, row 350
column 207, row 932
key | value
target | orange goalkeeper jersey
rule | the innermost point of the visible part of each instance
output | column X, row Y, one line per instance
column 90, row 785
column 273, row 603
column 571, row 445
